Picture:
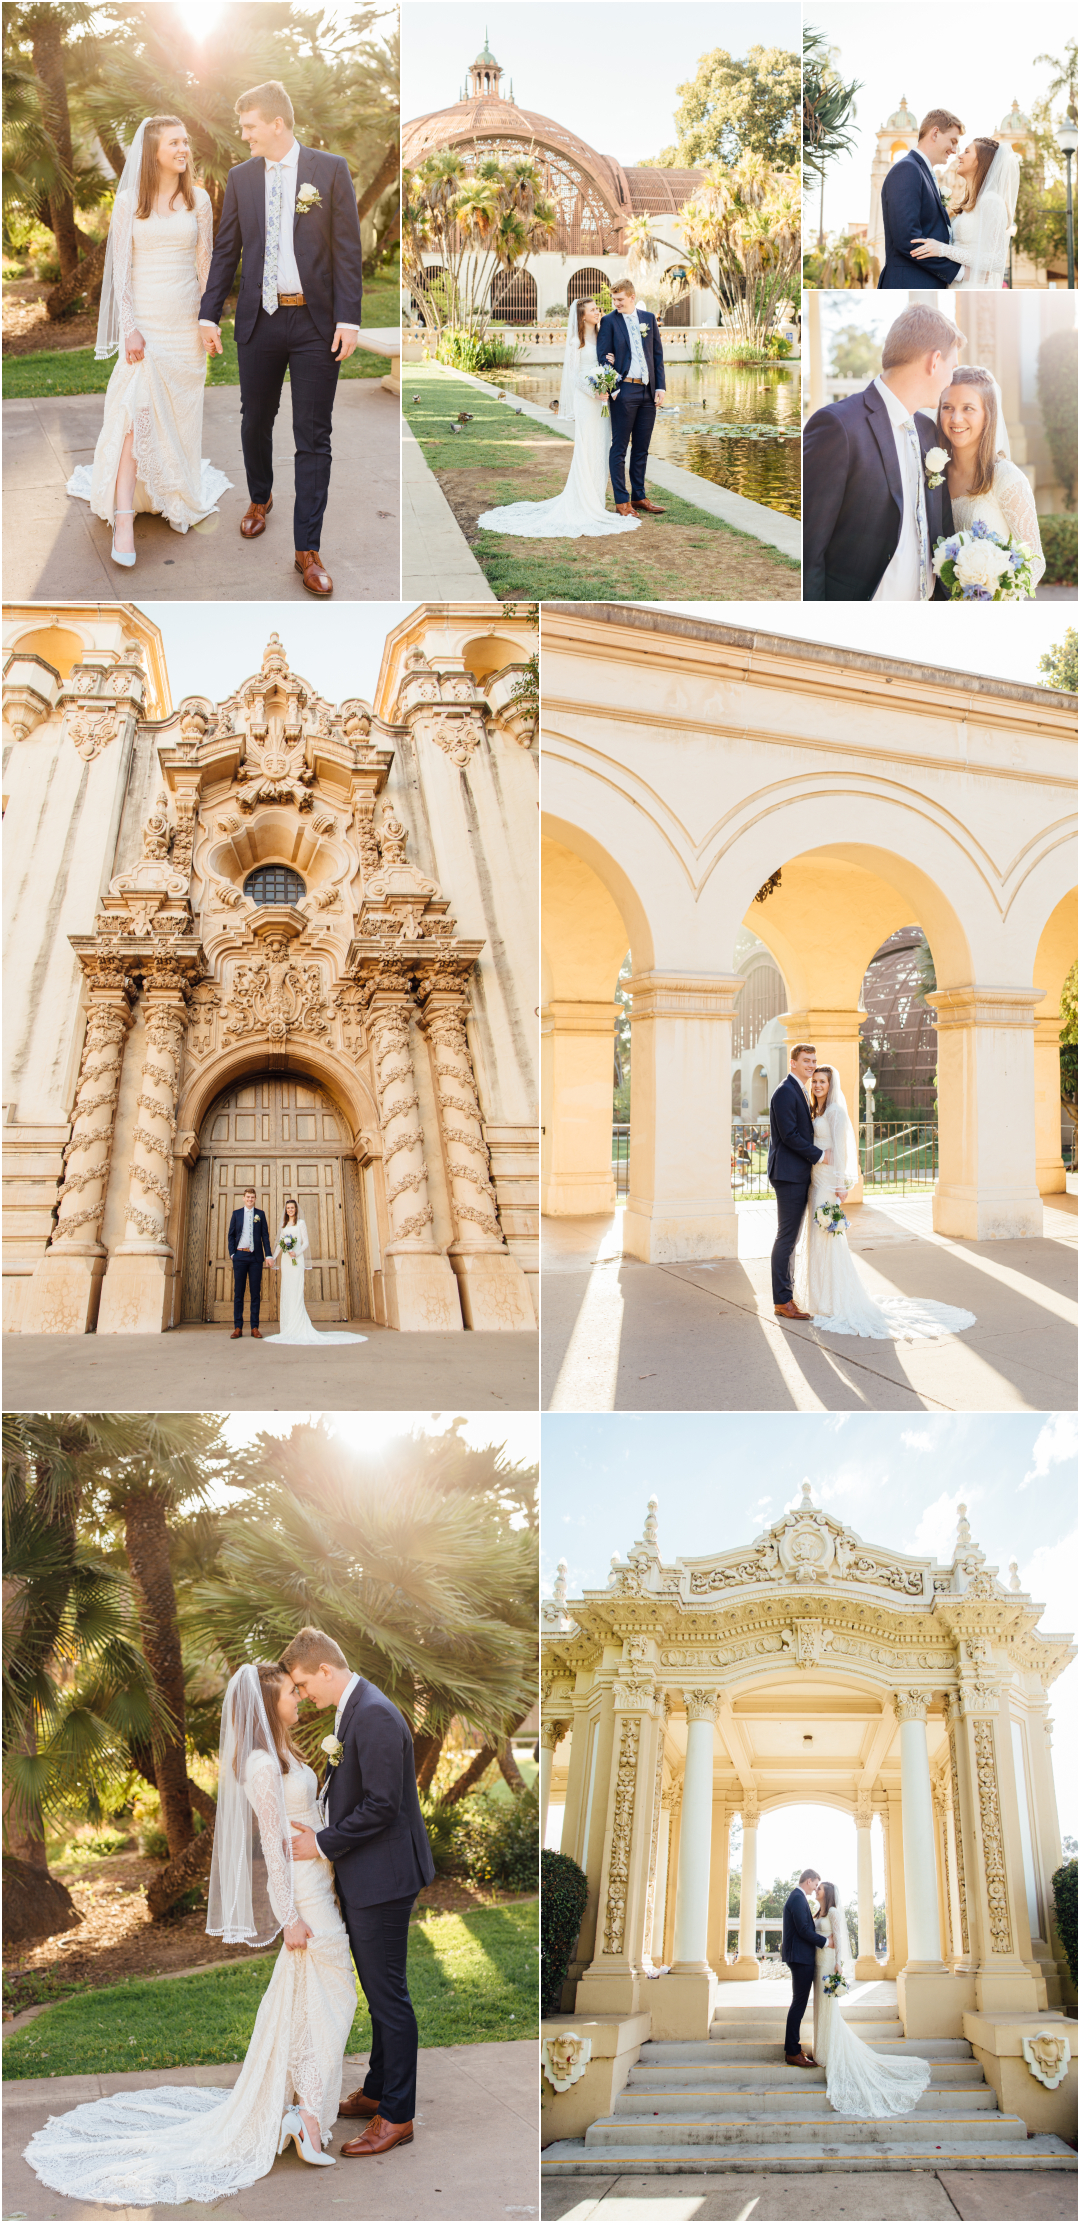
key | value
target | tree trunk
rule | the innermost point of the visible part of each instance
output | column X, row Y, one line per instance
column 427, row 1752
column 146, row 1536
column 509, row 1769
column 180, row 1874
column 86, row 278
column 47, row 47
column 24, row 1833
column 384, row 175
column 478, row 1766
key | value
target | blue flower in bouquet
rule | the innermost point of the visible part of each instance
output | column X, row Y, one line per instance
column 605, row 383
column 980, row 530
column 978, row 565
column 831, row 1219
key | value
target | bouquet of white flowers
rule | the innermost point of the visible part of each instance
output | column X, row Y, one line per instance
column 830, row 1218
column 605, row 383
column 836, row 1983
column 287, row 1244
column 981, row 566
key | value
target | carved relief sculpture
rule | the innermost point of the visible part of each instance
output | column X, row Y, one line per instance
column 88, row 1156
column 403, row 1137
column 277, row 997
column 622, row 1833
column 992, row 1840
column 152, row 1159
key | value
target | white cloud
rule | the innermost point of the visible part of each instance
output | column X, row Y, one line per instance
column 917, row 1439
column 1055, row 1444
column 936, row 1532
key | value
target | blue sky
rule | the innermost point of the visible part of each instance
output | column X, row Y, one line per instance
column 209, row 650
column 722, row 1478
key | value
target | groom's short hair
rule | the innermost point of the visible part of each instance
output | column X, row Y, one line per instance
column 917, row 332
column 809, row 1875
column 311, row 1649
column 270, row 99
column 800, row 1050
column 624, row 285
column 939, row 119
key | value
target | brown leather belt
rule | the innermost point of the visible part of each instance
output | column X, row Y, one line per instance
column 291, row 301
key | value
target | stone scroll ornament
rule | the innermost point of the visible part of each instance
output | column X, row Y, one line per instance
column 622, row 1832
column 403, row 1137
column 88, row 1156
column 1047, row 2053
column 564, row 2059
column 152, row 1159
column 467, row 1159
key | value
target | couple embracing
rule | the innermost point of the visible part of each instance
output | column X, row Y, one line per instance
column 290, row 216
column 858, row 2081
column 332, row 1868
column 612, row 387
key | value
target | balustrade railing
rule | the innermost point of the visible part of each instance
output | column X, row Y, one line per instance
column 896, row 1156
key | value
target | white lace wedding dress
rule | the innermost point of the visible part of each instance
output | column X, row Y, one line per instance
column 578, row 513
column 980, row 244
column 1008, row 508
column 200, row 2143
column 828, row 1284
column 858, row 2081
column 294, row 1325
column 162, row 264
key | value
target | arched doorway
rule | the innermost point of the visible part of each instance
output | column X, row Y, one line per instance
column 284, row 1135
column 585, row 284
column 513, row 297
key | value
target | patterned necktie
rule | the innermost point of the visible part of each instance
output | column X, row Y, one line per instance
column 273, row 242
column 920, row 509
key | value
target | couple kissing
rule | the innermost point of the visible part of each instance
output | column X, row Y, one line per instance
column 858, row 2079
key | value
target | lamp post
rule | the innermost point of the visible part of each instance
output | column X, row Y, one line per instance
column 869, row 1084
column 1066, row 139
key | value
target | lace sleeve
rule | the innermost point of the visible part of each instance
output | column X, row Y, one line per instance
column 582, row 386
column 122, row 232
column 305, row 1240
column 204, row 244
column 1017, row 505
column 989, row 253
column 265, row 1795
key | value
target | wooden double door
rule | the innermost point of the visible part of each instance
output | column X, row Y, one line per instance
column 282, row 1137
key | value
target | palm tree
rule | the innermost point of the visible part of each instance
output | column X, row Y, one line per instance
column 828, row 112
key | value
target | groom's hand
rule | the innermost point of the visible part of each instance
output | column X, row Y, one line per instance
column 661, row 397
column 826, row 1157
column 297, row 1934
column 211, row 339
column 345, row 342
column 305, row 1844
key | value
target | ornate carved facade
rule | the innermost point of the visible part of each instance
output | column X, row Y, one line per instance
column 336, row 894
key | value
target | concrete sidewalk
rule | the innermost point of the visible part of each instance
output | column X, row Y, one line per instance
column 437, row 562
column 196, row 1369
column 622, row 1336
column 914, row 2196
column 55, row 548
column 474, row 2159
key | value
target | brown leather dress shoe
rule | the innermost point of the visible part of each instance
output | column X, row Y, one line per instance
column 653, row 508
column 791, row 1312
column 799, row 2061
column 379, row 2137
column 236, row 1334
column 358, row 2103
column 256, row 1335
column 623, row 509
column 309, row 564
column 253, row 521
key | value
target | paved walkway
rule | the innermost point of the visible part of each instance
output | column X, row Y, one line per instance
column 908, row 2196
column 474, row 2156
column 621, row 1336
column 54, row 548
column 196, row 1369
column 437, row 562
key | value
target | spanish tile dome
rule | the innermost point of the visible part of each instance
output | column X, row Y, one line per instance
column 1015, row 122
column 902, row 120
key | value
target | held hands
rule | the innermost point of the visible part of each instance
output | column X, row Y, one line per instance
column 211, row 339
column 921, row 248
column 134, row 347
column 344, row 344
column 297, row 1934
column 305, row 1844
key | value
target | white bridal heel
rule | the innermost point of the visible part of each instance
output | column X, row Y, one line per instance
column 293, row 2126
column 119, row 555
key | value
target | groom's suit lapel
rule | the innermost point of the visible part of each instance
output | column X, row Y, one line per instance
column 305, row 175
column 881, row 427
column 343, row 1725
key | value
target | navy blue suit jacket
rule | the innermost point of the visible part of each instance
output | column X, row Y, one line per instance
column 375, row 1832
column 801, row 1939
column 853, row 498
column 613, row 339
column 260, row 1233
column 326, row 243
column 912, row 208
column 792, row 1149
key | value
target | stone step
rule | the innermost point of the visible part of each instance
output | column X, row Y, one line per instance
column 772, row 2029
column 674, row 2102
column 659, row 2050
column 916, row 2129
column 569, row 2157
column 758, row 2075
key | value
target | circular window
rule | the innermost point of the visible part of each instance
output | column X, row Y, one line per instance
column 274, row 884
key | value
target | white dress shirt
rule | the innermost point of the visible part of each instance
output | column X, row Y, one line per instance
column 901, row 579
column 638, row 366
column 247, row 1232
column 288, row 276
column 343, row 1702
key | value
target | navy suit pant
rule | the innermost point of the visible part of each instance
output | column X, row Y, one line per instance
column 379, row 1937
column 802, row 1984
column 289, row 341
column 247, row 1268
column 633, row 415
column 790, row 1205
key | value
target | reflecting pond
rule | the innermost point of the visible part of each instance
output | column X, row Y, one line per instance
column 760, row 460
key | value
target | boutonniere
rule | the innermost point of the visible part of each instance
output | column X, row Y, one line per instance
column 309, row 196
column 333, row 1748
column 935, row 461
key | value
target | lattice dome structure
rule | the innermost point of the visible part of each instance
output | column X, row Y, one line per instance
column 899, row 1032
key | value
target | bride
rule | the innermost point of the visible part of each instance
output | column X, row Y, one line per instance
column 858, row 2081
column 983, row 481
column 149, row 450
column 579, row 512
column 827, row 1281
column 179, row 2142
column 291, row 1253
column 983, row 221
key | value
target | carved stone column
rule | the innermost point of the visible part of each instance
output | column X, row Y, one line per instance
column 867, row 1967
column 551, row 1735
column 995, row 1879
column 655, row 1885
column 137, row 1295
column 987, row 1153
column 611, row 1983
column 421, row 1293
column 692, row 1905
column 748, row 1963
column 663, row 1849
column 492, row 1285
column 66, row 1287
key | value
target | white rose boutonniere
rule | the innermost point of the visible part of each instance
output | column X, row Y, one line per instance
column 935, row 460
column 309, row 196
column 333, row 1748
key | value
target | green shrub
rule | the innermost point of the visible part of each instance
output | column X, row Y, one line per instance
column 1064, row 1882
column 464, row 351
column 1067, row 1055
column 1057, row 401
column 100, row 1843
column 1058, row 535
column 441, row 1823
column 153, row 1843
column 557, row 314
column 498, row 1843
column 563, row 1891
column 47, row 269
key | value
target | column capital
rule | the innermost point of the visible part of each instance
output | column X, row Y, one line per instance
column 911, row 1705
column 978, row 1006
column 838, row 1026
column 662, row 995
column 552, row 1734
column 700, row 1705
column 635, row 1697
column 864, row 1812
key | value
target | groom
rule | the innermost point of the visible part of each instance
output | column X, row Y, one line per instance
column 912, row 209
column 629, row 338
column 872, row 517
column 799, row 1948
column 249, row 1244
column 792, row 1152
column 376, row 1838
column 290, row 213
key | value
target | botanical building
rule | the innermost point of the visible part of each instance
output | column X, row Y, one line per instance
column 277, row 941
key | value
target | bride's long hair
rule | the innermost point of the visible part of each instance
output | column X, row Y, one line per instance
column 988, row 450
column 285, row 1212
column 827, row 1894
column 578, row 309
column 985, row 150
column 271, row 1675
column 148, row 174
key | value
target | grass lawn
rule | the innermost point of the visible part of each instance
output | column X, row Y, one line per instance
column 472, row 1977
column 503, row 458
column 75, row 370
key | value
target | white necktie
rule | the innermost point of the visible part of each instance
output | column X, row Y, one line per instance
column 908, row 426
column 273, row 242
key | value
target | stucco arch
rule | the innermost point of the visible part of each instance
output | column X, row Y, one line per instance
column 325, row 1067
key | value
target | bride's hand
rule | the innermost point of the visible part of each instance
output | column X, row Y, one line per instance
column 921, row 248
column 297, row 1934
column 134, row 347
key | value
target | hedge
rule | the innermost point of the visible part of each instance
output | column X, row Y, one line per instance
column 1057, row 401
column 1058, row 536
column 563, row 1891
column 1064, row 1882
